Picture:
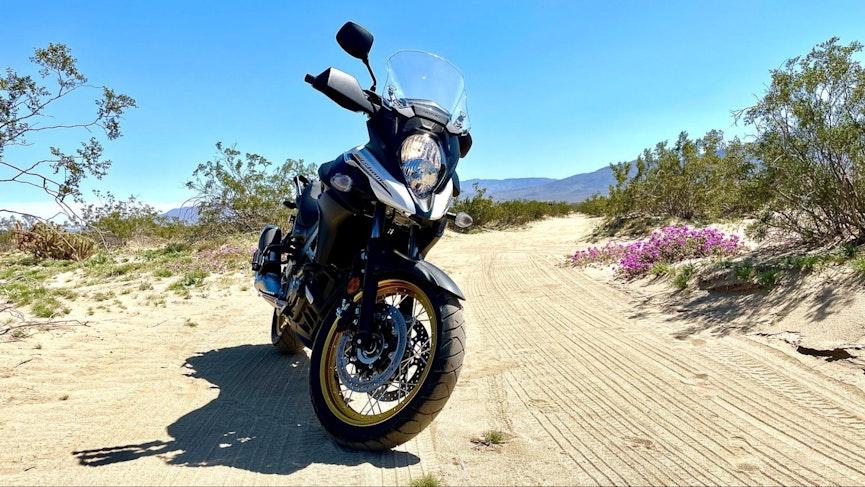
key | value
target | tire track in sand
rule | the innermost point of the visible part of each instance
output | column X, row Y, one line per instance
column 718, row 414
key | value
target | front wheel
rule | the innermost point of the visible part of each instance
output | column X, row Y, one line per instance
column 381, row 395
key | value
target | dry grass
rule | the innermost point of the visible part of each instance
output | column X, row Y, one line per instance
column 428, row 480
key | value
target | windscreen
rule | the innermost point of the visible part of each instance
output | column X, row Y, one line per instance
column 421, row 77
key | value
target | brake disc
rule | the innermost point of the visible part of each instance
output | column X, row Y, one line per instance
column 374, row 367
column 414, row 362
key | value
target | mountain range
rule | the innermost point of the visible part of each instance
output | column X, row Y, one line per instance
column 571, row 189
column 186, row 214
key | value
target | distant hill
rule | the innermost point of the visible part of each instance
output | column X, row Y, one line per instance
column 499, row 185
column 571, row 189
column 186, row 214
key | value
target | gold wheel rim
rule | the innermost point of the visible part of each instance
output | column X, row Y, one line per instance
column 333, row 393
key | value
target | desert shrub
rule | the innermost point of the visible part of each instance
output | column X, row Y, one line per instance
column 480, row 206
column 162, row 272
column 803, row 263
column 694, row 179
column 859, row 264
column 21, row 291
column 804, row 173
column 212, row 257
column 769, row 277
column 743, row 271
column 7, row 240
column 488, row 213
column 48, row 241
column 103, row 296
column 811, row 144
column 192, row 278
column 170, row 250
column 682, row 276
column 661, row 269
column 115, row 222
column 23, row 287
column 48, row 307
column 427, row 480
column 224, row 258
column 494, row 437
column 235, row 193
column 848, row 250
column 669, row 245
column 595, row 205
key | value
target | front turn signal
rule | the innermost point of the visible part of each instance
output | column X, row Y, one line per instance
column 341, row 182
column 463, row 220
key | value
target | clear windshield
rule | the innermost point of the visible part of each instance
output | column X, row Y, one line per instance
column 420, row 77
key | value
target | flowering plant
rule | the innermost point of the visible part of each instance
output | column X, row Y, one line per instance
column 227, row 257
column 670, row 244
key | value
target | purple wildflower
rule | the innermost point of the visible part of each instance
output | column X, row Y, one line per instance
column 670, row 244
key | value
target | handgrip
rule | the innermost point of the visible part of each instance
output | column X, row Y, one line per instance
column 309, row 78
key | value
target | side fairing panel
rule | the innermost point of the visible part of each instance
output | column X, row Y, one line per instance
column 392, row 192
column 442, row 201
column 386, row 189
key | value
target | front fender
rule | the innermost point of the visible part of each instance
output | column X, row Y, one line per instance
column 421, row 269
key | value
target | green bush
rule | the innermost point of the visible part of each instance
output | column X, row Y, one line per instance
column 242, row 193
column 811, row 140
column 768, row 278
column 804, row 173
column 683, row 276
column 743, row 270
column 48, row 307
column 193, row 278
column 595, row 205
column 807, row 263
column 427, row 480
column 115, row 222
column 7, row 240
column 488, row 214
column 859, row 264
column 694, row 179
column 661, row 269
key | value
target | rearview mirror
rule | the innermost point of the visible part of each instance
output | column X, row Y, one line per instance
column 355, row 40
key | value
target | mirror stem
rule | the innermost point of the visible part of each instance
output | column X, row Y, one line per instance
column 369, row 68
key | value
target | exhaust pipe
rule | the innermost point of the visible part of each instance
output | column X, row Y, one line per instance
column 273, row 301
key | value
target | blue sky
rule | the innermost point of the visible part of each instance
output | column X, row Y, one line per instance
column 555, row 88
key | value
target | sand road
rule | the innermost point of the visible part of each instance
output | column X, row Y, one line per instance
column 590, row 391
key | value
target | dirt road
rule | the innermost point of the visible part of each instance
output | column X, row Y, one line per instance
column 590, row 391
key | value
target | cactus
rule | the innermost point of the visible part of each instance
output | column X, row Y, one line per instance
column 48, row 241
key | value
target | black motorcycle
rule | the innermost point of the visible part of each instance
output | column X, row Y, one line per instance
column 350, row 280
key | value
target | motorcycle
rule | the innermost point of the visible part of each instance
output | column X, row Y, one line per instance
column 350, row 280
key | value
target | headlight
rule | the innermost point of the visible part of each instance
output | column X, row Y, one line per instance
column 421, row 161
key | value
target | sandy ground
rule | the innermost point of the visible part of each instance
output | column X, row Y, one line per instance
column 592, row 387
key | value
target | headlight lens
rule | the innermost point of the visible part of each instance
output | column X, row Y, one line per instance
column 421, row 161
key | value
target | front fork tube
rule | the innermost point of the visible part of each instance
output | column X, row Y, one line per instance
column 370, row 282
column 371, row 270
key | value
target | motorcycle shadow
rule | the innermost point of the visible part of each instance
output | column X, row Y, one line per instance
column 262, row 420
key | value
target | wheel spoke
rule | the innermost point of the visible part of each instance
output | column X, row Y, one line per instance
column 407, row 372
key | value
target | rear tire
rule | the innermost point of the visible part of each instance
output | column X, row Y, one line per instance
column 282, row 337
column 420, row 408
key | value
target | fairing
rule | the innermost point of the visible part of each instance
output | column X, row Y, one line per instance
column 394, row 193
